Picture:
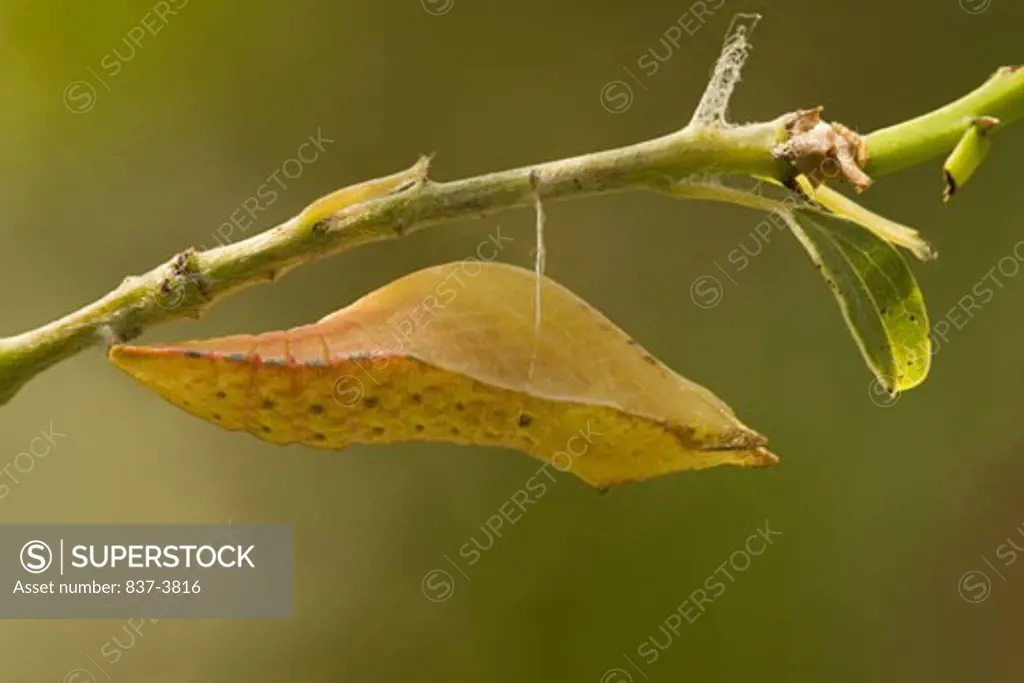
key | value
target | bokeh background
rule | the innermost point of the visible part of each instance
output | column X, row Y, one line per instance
column 883, row 509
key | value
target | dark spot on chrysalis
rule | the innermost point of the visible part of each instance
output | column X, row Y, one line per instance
column 460, row 406
column 491, row 435
column 193, row 354
column 648, row 358
column 454, row 431
column 371, row 401
column 420, row 428
column 186, row 403
column 912, row 319
column 320, row 437
column 378, row 431
column 525, row 420
column 268, row 404
column 416, row 398
column 631, row 342
column 316, row 409
column 216, row 416
column 221, row 394
column 266, row 429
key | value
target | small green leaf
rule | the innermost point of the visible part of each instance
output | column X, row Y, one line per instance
column 890, row 231
column 844, row 207
column 877, row 294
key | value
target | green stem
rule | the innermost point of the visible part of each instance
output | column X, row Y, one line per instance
column 926, row 137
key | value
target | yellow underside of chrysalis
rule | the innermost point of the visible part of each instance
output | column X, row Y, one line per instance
column 387, row 399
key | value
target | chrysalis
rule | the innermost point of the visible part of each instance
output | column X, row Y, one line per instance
column 444, row 354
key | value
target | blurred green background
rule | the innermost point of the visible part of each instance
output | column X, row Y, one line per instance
column 882, row 509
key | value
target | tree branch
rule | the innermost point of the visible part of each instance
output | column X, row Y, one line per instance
column 937, row 132
column 397, row 205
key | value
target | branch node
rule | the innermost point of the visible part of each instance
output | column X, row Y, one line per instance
column 812, row 144
column 185, row 265
column 173, row 289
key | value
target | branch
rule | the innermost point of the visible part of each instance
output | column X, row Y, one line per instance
column 397, row 205
column 933, row 134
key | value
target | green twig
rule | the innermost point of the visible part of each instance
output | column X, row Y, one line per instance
column 936, row 133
